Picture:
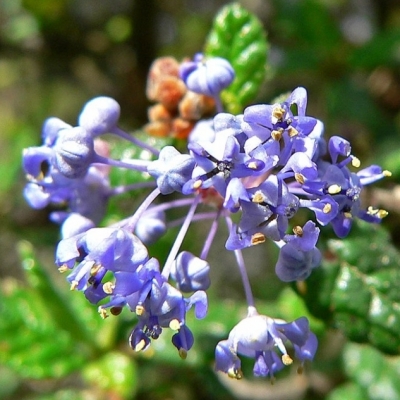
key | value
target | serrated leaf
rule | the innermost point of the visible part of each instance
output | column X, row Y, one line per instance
column 238, row 36
column 376, row 374
column 357, row 290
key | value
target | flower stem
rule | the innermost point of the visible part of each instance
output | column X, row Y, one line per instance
column 179, row 239
column 137, row 165
column 210, row 237
column 119, row 132
column 242, row 269
column 141, row 209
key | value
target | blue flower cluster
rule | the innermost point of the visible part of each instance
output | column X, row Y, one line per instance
column 263, row 165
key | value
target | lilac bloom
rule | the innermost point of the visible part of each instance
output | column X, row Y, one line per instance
column 257, row 337
column 172, row 170
column 278, row 122
column 100, row 115
column 207, row 76
column 218, row 162
column 190, row 273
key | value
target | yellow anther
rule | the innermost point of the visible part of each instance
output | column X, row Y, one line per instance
column 277, row 134
column 258, row 197
column 235, row 373
column 63, row 268
column 108, row 287
column 377, row 212
column 257, row 238
column 139, row 310
column 286, row 359
column 140, row 346
column 299, row 178
column 278, row 112
column 74, row 285
column 103, row 312
column 174, row 324
column 197, row 184
column 95, row 269
column 334, row 189
column 298, row 230
column 386, row 173
column 252, row 165
column 355, row 162
column 348, row 215
column 292, row 131
column 327, row 208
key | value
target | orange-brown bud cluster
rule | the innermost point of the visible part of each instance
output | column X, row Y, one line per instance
column 177, row 109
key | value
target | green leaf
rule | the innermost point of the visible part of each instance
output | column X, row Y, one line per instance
column 382, row 49
column 114, row 373
column 347, row 391
column 357, row 289
column 32, row 344
column 46, row 331
column 239, row 37
column 376, row 374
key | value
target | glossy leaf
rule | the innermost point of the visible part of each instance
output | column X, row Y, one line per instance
column 357, row 290
column 239, row 37
column 375, row 373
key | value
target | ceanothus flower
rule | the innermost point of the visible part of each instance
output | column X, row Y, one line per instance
column 165, row 307
column 298, row 254
column 100, row 115
column 218, row 162
column 207, row 76
column 267, row 125
column 190, row 273
column 151, row 226
column 114, row 249
column 257, row 336
column 74, row 152
column 172, row 170
column 265, row 214
column 338, row 190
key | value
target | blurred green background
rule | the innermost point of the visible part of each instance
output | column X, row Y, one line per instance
column 57, row 54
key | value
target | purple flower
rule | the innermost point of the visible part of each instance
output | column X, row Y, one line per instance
column 257, row 336
column 74, row 152
column 172, row 170
column 218, row 162
column 295, row 264
column 265, row 124
column 207, row 76
column 151, row 226
column 190, row 273
column 100, row 115
column 109, row 248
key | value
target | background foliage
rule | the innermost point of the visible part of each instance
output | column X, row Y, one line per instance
column 55, row 55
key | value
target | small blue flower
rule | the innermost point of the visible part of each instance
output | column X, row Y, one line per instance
column 257, row 336
column 172, row 170
column 74, row 152
column 295, row 264
column 207, row 76
column 100, row 115
column 110, row 248
column 151, row 226
column 190, row 273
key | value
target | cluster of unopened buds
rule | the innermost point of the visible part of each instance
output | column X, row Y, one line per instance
column 260, row 167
